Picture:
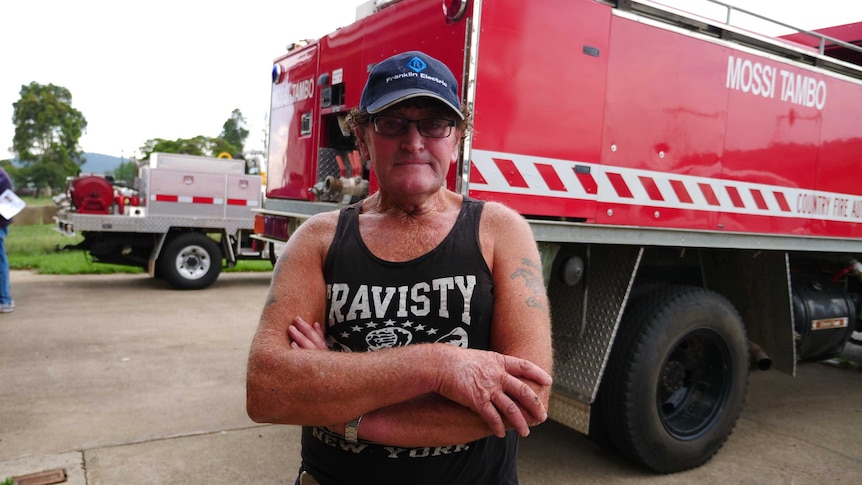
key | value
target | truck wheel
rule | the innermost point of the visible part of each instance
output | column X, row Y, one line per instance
column 190, row 261
column 676, row 380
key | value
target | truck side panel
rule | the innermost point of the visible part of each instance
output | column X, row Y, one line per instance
column 292, row 127
column 696, row 132
column 542, row 71
column 841, row 145
column 180, row 193
column 661, row 116
column 242, row 196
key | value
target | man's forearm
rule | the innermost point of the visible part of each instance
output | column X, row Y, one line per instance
column 308, row 387
column 318, row 387
column 428, row 420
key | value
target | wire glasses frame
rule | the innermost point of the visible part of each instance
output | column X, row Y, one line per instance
column 427, row 127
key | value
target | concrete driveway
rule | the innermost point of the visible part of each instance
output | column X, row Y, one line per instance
column 117, row 379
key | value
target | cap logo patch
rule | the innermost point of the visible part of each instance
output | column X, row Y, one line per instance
column 417, row 65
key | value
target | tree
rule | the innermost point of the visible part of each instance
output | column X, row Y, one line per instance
column 230, row 141
column 126, row 171
column 220, row 145
column 47, row 129
column 234, row 131
column 199, row 145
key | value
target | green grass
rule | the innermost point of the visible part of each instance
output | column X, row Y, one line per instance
column 250, row 266
column 35, row 248
column 36, row 202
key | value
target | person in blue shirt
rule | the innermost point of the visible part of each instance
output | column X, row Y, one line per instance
column 7, row 304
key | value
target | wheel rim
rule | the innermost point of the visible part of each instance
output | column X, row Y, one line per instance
column 694, row 384
column 193, row 262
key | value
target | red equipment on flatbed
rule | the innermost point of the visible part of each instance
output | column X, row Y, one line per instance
column 693, row 188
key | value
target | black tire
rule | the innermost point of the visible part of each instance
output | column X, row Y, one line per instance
column 190, row 261
column 676, row 380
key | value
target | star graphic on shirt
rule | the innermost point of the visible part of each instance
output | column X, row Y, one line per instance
column 420, row 327
column 372, row 324
column 408, row 323
column 356, row 328
column 345, row 335
column 432, row 331
column 389, row 322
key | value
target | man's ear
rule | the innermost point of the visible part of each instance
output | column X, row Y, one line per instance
column 360, row 142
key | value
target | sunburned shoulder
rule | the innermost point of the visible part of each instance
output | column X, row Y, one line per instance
column 323, row 219
column 503, row 229
column 496, row 214
column 319, row 227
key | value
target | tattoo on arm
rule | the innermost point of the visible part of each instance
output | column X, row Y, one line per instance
column 531, row 272
column 276, row 270
column 270, row 298
column 534, row 302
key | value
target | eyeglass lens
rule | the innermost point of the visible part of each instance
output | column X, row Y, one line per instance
column 428, row 127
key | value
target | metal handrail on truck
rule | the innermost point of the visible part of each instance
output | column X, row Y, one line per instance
column 726, row 30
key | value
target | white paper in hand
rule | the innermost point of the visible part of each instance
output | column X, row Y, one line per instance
column 10, row 204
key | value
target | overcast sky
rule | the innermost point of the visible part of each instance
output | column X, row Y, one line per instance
column 177, row 69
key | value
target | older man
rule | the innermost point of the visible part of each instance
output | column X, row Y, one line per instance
column 408, row 333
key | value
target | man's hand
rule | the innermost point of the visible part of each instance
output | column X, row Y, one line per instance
column 304, row 335
column 493, row 385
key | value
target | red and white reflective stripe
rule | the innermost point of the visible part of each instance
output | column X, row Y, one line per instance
column 186, row 199
column 544, row 177
column 243, row 202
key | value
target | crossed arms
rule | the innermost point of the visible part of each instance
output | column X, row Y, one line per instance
column 418, row 395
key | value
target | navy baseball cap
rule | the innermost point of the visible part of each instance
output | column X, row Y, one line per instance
column 409, row 75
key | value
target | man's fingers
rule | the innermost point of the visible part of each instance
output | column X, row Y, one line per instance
column 317, row 336
column 488, row 412
column 527, row 398
column 513, row 414
column 299, row 338
column 306, row 336
column 528, row 370
column 517, row 403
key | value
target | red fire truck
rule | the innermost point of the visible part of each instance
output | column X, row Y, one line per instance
column 691, row 185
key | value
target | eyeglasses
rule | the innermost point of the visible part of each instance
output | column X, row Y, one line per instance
column 428, row 127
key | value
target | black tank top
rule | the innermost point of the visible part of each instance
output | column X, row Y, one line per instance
column 445, row 295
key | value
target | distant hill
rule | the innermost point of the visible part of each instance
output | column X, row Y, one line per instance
column 94, row 163
column 101, row 164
